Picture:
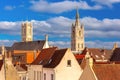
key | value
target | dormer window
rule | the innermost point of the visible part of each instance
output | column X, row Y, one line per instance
column 69, row 63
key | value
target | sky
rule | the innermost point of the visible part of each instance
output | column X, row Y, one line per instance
column 101, row 20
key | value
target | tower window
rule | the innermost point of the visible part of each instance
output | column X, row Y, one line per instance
column 79, row 33
column 69, row 63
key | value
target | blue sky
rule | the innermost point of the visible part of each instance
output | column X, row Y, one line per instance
column 101, row 19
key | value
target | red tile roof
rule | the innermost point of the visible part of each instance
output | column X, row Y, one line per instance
column 44, row 56
column 50, row 57
column 98, row 54
column 56, row 58
column 107, row 71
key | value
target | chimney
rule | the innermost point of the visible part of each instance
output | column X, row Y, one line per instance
column 91, row 61
column 46, row 37
column 3, row 50
column 35, row 54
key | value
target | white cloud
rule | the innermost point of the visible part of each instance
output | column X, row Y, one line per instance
column 60, row 28
column 107, row 2
column 9, row 7
column 7, row 42
column 60, row 44
column 59, row 7
column 101, row 44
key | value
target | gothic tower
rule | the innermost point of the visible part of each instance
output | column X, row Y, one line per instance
column 27, row 31
column 77, row 35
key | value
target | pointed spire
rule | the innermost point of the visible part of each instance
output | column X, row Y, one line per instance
column 77, row 14
column 77, row 22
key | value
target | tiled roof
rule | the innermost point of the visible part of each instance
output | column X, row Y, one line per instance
column 50, row 57
column 99, row 54
column 116, row 55
column 30, row 45
column 21, row 67
column 44, row 56
column 1, row 63
column 56, row 58
column 107, row 71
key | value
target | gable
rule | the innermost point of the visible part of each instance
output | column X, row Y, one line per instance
column 116, row 55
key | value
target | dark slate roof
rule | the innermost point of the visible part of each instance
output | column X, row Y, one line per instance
column 30, row 45
column 1, row 63
column 115, row 55
column 107, row 71
column 50, row 57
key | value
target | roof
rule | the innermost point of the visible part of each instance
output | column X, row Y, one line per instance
column 44, row 56
column 1, row 63
column 6, row 47
column 30, row 45
column 79, row 57
column 99, row 54
column 107, row 71
column 21, row 67
column 49, row 57
column 56, row 58
column 115, row 55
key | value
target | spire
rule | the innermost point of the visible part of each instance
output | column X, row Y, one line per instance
column 115, row 46
column 77, row 22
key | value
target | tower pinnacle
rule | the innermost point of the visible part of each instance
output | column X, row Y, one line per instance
column 77, row 22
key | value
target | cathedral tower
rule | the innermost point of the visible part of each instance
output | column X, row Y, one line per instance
column 77, row 35
column 27, row 32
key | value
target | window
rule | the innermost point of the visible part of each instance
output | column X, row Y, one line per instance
column 44, row 76
column 68, row 62
column 52, row 77
column 34, row 75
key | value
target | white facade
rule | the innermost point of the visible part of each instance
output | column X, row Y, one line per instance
column 35, row 72
column 67, row 69
column 68, row 72
column 2, row 73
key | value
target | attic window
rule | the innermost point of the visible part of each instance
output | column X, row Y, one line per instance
column 40, row 61
column 96, row 56
column 69, row 63
column 50, row 60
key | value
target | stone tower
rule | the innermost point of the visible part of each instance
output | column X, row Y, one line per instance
column 77, row 35
column 27, row 31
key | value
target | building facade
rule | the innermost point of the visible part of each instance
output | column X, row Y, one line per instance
column 27, row 32
column 77, row 35
column 55, row 64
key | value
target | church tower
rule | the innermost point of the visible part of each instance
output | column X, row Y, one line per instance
column 27, row 31
column 77, row 35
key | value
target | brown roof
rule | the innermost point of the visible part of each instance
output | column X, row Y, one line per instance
column 30, row 45
column 107, row 71
column 98, row 54
column 56, row 58
column 1, row 63
column 116, row 55
column 44, row 56
column 50, row 57
column 21, row 67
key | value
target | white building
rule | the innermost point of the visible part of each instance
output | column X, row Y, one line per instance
column 55, row 64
